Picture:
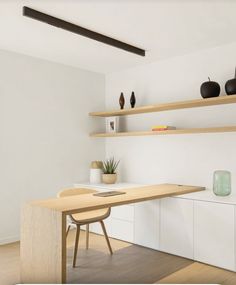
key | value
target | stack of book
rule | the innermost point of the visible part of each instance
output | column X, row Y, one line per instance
column 163, row 128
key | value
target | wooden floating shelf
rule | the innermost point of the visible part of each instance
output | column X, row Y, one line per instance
column 170, row 132
column 169, row 106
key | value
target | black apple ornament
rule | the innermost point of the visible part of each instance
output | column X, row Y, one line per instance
column 230, row 85
column 210, row 89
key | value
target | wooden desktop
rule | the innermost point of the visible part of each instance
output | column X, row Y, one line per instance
column 43, row 227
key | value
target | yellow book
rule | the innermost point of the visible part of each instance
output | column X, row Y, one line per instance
column 163, row 128
column 160, row 127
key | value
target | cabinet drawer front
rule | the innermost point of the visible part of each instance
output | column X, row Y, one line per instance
column 176, row 230
column 214, row 234
column 146, row 224
column 125, row 213
column 122, row 230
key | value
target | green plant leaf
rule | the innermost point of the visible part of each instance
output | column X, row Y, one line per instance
column 110, row 166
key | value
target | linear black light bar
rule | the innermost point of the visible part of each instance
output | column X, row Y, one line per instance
column 56, row 22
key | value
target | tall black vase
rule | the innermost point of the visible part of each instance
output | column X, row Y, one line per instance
column 122, row 100
column 132, row 100
column 230, row 85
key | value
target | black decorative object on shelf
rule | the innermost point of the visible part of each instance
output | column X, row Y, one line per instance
column 230, row 85
column 132, row 100
column 122, row 100
column 210, row 89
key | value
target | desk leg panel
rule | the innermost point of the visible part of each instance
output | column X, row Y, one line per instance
column 43, row 245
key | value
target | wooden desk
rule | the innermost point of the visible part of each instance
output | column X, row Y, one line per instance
column 43, row 227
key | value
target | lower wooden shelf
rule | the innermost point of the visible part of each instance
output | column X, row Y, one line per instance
column 170, row 132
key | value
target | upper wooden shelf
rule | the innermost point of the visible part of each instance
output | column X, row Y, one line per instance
column 168, row 106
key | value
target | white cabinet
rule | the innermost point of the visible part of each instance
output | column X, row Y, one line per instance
column 214, row 234
column 122, row 225
column 123, row 230
column 125, row 213
column 176, row 227
column 146, row 224
column 199, row 226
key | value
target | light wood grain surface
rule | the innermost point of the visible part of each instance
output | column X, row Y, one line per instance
column 43, row 245
column 198, row 273
column 168, row 106
column 168, row 132
column 87, row 202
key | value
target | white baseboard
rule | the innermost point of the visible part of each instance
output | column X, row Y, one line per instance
column 9, row 240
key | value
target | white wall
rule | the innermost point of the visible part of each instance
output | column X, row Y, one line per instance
column 189, row 159
column 44, row 128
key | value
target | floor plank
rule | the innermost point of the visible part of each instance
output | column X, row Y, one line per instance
column 130, row 265
column 10, row 264
column 198, row 273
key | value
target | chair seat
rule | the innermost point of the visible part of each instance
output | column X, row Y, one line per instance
column 91, row 216
column 85, row 218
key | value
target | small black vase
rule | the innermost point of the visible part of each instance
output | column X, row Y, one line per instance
column 132, row 100
column 230, row 85
column 122, row 100
column 210, row 89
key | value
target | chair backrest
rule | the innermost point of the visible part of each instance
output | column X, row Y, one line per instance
column 81, row 191
column 74, row 191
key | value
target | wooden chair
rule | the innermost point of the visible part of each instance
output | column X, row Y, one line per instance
column 85, row 218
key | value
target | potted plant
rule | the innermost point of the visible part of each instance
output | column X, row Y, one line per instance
column 109, row 171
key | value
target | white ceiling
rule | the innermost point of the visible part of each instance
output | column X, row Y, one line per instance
column 163, row 28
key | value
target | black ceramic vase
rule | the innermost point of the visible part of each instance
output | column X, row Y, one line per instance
column 210, row 89
column 122, row 100
column 132, row 100
column 230, row 85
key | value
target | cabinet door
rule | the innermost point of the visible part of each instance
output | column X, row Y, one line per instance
column 214, row 234
column 146, row 224
column 176, row 227
column 122, row 230
column 125, row 213
column 122, row 226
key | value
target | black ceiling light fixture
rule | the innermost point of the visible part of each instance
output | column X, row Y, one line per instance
column 59, row 23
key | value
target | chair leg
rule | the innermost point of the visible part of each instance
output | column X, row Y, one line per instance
column 76, row 244
column 68, row 229
column 106, row 236
column 87, row 236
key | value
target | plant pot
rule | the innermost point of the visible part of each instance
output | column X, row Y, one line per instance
column 109, row 178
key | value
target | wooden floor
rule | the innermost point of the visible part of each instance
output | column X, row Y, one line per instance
column 129, row 264
column 198, row 273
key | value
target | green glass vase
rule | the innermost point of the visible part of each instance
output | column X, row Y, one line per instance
column 222, row 183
